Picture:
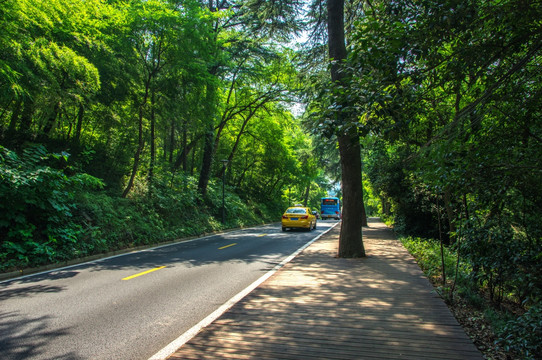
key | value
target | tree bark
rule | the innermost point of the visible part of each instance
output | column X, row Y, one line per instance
column 152, row 140
column 208, row 146
column 236, row 144
column 307, row 193
column 350, row 241
column 449, row 214
column 182, row 158
column 207, row 161
column 140, row 142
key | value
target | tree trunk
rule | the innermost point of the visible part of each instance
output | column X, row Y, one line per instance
column 350, row 241
column 236, row 144
column 449, row 214
column 182, row 158
column 207, row 161
column 172, row 141
column 192, row 163
column 153, row 142
column 140, row 142
column 208, row 147
column 363, row 213
column 307, row 192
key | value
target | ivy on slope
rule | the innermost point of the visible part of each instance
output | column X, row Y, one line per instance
column 37, row 207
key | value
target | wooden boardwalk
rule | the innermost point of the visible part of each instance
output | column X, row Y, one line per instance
column 322, row 307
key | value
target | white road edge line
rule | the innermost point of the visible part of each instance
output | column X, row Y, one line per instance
column 22, row 277
column 189, row 334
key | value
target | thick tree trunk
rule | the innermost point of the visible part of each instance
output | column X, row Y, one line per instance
column 350, row 241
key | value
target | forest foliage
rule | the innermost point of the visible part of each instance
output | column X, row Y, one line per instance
column 448, row 97
column 115, row 117
column 453, row 130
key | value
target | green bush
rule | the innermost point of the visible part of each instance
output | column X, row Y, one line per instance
column 504, row 261
column 427, row 254
column 36, row 225
column 522, row 335
column 518, row 334
column 172, row 210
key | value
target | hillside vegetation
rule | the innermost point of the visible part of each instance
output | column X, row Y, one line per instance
column 120, row 122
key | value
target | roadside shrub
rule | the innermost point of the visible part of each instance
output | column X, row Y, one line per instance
column 427, row 254
column 522, row 335
column 36, row 222
column 504, row 262
column 515, row 334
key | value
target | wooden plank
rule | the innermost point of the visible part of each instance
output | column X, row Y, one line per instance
column 420, row 337
column 317, row 306
column 350, row 345
column 444, row 325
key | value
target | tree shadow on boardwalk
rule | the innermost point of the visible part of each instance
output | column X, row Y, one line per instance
column 320, row 306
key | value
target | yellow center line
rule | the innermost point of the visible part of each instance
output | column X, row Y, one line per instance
column 262, row 235
column 143, row 273
column 227, row 246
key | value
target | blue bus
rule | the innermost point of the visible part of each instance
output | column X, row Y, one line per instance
column 330, row 208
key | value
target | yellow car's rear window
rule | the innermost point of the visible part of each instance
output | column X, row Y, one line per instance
column 296, row 211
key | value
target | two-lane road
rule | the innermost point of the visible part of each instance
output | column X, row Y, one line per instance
column 131, row 306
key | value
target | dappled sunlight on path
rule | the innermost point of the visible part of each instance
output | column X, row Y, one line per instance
column 321, row 306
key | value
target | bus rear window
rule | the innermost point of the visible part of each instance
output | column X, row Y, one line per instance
column 329, row 201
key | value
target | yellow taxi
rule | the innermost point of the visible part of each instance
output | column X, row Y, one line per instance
column 298, row 217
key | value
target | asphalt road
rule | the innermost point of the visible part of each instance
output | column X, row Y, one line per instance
column 131, row 306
